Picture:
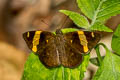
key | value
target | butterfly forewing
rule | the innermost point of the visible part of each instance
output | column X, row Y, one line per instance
column 72, row 38
column 92, row 38
column 83, row 41
column 28, row 37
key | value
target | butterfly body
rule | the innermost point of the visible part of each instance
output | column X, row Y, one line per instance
column 61, row 49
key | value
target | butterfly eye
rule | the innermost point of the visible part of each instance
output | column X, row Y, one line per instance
column 46, row 41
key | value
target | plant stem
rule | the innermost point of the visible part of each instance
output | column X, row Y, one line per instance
column 98, row 54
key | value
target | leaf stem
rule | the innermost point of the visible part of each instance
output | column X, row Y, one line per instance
column 98, row 54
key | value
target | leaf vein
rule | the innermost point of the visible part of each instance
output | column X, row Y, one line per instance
column 83, row 5
column 109, row 6
column 54, row 76
column 107, row 14
column 80, row 21
column 113, row 67
column 96, row 13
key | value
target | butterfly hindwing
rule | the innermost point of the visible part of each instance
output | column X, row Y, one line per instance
column 72, row 57
column 42, row 43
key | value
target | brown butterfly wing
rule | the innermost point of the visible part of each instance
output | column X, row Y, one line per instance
column 42, row 43
column 74, row 49
column 83, row 41
column 93, row 38
column 72, row 57
column 28, row 37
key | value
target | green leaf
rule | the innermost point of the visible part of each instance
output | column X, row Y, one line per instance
column 87, row 7
column 99, row 11
column 116, row 41
column 78, row 19
column 110, row 68
column 66, row 30
column 108, row 8
column 100, row 27
column 35, row 70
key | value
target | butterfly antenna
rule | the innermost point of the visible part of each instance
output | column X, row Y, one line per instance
column 45, row 22
column 64, row 22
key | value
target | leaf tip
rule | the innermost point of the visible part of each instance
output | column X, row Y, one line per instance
column 62, row 11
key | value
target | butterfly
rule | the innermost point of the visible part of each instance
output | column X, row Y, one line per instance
column 58, row 49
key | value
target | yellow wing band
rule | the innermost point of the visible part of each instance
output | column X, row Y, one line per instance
column 28, row 34
column 36, row 40
column 83, row 40
column 80, row 32
column 85, row 48
column 46, row 41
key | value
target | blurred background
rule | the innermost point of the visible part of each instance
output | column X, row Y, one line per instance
column 19, row 16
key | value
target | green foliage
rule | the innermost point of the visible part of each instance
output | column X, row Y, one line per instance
column 100, row 27
column 110, row 67
column 35, row 70
column 66, row 30
column 116, row 41
column 78, row 19
column 98, row 11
